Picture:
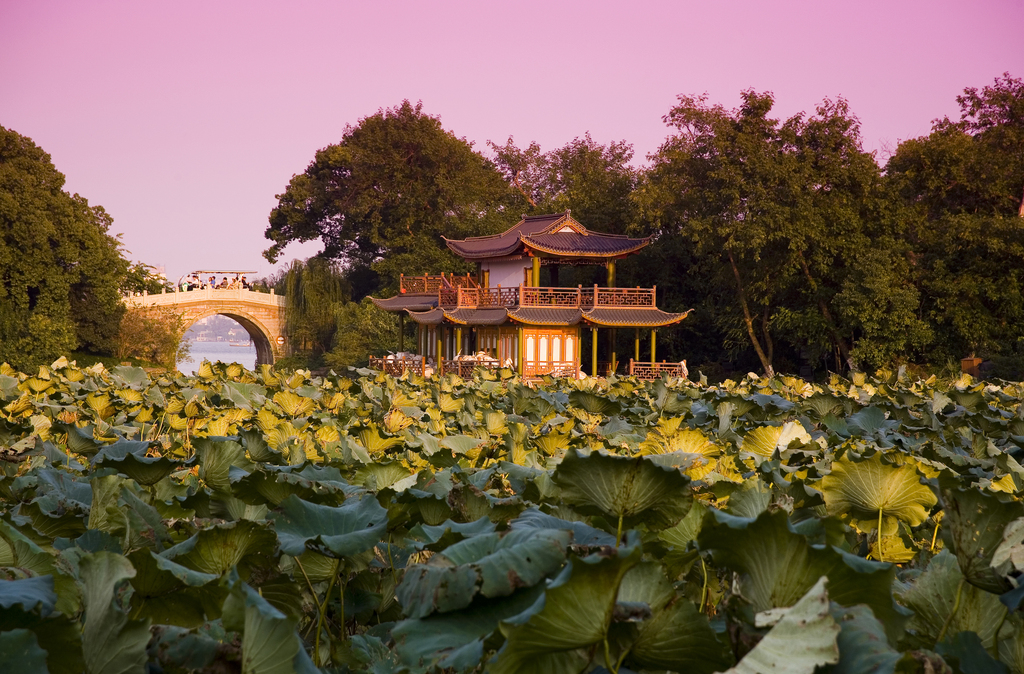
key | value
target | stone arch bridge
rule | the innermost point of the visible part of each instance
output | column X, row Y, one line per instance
column 261, row 314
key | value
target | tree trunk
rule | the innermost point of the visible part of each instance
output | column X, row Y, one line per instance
column 766, row 362
column 844, row 349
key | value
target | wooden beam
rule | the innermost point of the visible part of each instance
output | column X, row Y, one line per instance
column 535, row 277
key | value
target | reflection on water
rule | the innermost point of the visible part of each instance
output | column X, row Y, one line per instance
column 222, row 351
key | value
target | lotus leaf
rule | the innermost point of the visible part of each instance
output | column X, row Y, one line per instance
column 129, row 458
column 575, row 612
column 973, row 526
column 494, row 565
column 353, row 527
column 866, row 492
column 111, row 642
column 634, row 489
column 803, row 640
column 219, row 548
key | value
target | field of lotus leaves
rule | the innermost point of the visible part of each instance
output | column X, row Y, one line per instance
column 276, row 522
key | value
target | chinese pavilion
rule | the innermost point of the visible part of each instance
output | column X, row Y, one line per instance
column 503, row 315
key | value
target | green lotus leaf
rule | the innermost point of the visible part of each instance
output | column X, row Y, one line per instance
column 864, row 491
column 803, row 640
column 380, row 475
column 17, row 550
column 635, row 489
column 56, row 634
column 448, row 532
column 575, row 613
column 933, row 596
column 255, row 444
column 80, row 440
column 863, row 647
column 216, row 457
column 494, row 565
column 270, row 642
column 30, row 593
column 218, row 548
column 964, row 652
column 168, row 593
column 355, row 526
column 594, row 404
column 111, row 642
column 20, row 652
column 777, row 566
column 676, row 636
column 974, row 528
column 129, row 458
column 180, row 649
column 455, row 640
column 583, row 535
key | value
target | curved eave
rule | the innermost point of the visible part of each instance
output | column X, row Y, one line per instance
column 478, row 255
column 544, row 316
column 432, row 317
column 628, row 317
column 399, row 303
column 549, row 250
column 477, row 316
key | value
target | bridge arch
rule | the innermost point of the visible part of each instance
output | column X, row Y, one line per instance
column 261, row 314
column 261, row 336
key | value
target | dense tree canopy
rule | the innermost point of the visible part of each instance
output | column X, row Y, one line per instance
column 795, row 247
column 60, row 269
column 383, row 196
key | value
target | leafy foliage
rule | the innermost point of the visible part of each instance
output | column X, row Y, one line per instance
column 278, row 521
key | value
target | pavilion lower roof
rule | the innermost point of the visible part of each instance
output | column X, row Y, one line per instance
column 407, row 302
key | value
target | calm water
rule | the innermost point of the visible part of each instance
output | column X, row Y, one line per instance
column 222, row 351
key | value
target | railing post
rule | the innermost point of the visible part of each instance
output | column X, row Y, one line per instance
column 579, row 296
column 596, row 302
column 521, row 301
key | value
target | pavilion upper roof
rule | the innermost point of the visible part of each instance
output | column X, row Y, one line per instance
column 555, row 235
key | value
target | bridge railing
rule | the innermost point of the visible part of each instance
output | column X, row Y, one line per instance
column 177, row 296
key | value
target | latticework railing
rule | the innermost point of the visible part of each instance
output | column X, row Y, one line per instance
column 548, row 297
column 558, row 368
column 464, row 368
column 396, row 367
column 642, row 370
column 432, row 283
column 624, row 297
column 474, row 298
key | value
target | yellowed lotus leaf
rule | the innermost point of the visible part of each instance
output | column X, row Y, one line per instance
column 893, row 550
column 1004, row 484
column 334, row 402
column 38, row 385
column 175, row 405
column 551, row 442
column 41, row 425
column 669, row 426
column 395, row 421
column 74, row 374
column 129, row 395
column 97, row 401
column 701, row 468
column 449, row 404
column 21, row 405
column 401, row 398
column 858, row 491
column 193, row 409
column 268, row 376
column 233, row 370
column 236, row 414
column 294, row 405
column 267, row 420
column 495, row 422
column 326, row 434
column 178, row 423
column 205, row 370
column 144, row 415
column 218, row 426
column 297, row 379
column 371, row 439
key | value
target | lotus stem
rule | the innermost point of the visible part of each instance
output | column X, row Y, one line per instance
column 608, row 658
column 934, row 536
column 949, row 618
column 704, row 588
column 320, row 620
column 618, row 534
column 881, row 557
column 341, row 596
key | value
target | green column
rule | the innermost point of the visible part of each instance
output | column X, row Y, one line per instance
column 458, row 340
column 654, row 353
column 636, row 346
column 536, row 272
column 593, row 351
column 610, row 266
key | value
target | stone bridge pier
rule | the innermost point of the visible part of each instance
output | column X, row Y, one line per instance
column 261, row 314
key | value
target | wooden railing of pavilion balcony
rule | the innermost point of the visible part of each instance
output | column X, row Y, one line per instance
column 396, row 367
column 432, row 283
column 586, row 298
column 642, row 370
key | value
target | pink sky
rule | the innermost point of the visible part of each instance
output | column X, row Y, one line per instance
column 184, row 119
